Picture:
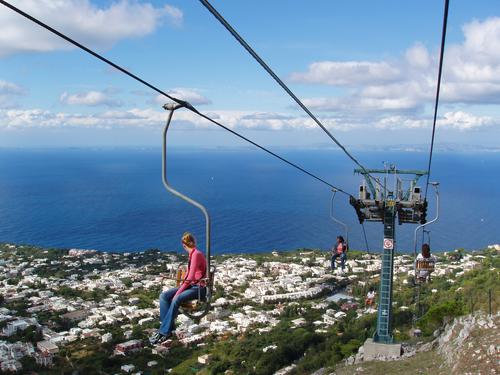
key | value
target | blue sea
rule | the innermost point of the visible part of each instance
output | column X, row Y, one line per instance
column 114, row 200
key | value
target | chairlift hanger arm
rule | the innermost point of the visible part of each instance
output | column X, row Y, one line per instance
column 346, row 228
column 171, row 107
column 435, row 185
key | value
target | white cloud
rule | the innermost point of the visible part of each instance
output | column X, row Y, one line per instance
column 255, row 120
column 361, row 104
column 37, row 118
column 8, row 92
column 8, row 88
column 457, row 120
column 418, row 57
column 237, row 120
column 465, row 121
column 473, row 68
column 192, row 96
column 348, row 73
column 90, row 98
column 400, row 122
column 482, row 39
column 382, row 86
column 81, row 20
column 471, row 76
column 175, row 15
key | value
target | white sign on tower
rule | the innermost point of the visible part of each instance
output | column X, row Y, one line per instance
column 388, row 244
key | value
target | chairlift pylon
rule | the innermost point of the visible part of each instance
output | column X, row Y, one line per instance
column 381, row 204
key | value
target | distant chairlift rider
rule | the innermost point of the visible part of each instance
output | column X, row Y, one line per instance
column 425, row 264
column 339, row 251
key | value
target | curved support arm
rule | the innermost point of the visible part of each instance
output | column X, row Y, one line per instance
column 346, row 228
column 435, row 185
column 172, row 107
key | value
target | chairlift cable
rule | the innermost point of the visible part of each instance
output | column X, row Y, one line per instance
column 179, row 101
column 436, row 103
column 266, row 67
column 441, row 58
column 270, row 152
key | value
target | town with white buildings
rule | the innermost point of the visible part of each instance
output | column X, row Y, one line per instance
column 59, row 306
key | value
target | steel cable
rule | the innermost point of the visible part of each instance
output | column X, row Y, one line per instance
column 266, row 67
column 436, row 104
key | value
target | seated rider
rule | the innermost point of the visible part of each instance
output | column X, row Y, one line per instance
column 339, row 250
column 370, row 298
column 192, row 287
column 425, row 255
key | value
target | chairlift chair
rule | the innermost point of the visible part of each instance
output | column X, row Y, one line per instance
column 425, row 266
column 198, row 308
column 423, row 269
column 344, row 225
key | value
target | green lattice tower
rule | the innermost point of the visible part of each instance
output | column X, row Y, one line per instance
column 378, row 204
column 384, row 318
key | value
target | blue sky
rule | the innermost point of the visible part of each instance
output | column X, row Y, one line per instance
column 367, row 69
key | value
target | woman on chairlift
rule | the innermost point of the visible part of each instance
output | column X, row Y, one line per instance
column 192, row 287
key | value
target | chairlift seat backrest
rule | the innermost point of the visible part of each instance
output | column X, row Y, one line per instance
column 426, row 265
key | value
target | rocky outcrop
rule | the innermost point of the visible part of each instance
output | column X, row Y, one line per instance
column 471, row 344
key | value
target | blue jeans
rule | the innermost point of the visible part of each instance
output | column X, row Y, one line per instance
column 343, row 258
column 169, row 306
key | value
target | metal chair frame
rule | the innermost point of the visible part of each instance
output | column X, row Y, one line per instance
column 171, row 107
column 422, row 226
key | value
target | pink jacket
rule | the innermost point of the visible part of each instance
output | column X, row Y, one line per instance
column 197, row 270
column 341, row 248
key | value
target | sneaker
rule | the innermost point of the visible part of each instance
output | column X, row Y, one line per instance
column 159, row 338
column 154, row 339
column 163, row 338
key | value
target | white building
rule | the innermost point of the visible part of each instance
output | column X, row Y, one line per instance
column 128, row 368
column 13, row 327
column 107, row 337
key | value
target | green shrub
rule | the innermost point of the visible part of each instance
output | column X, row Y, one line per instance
column 435, row 316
